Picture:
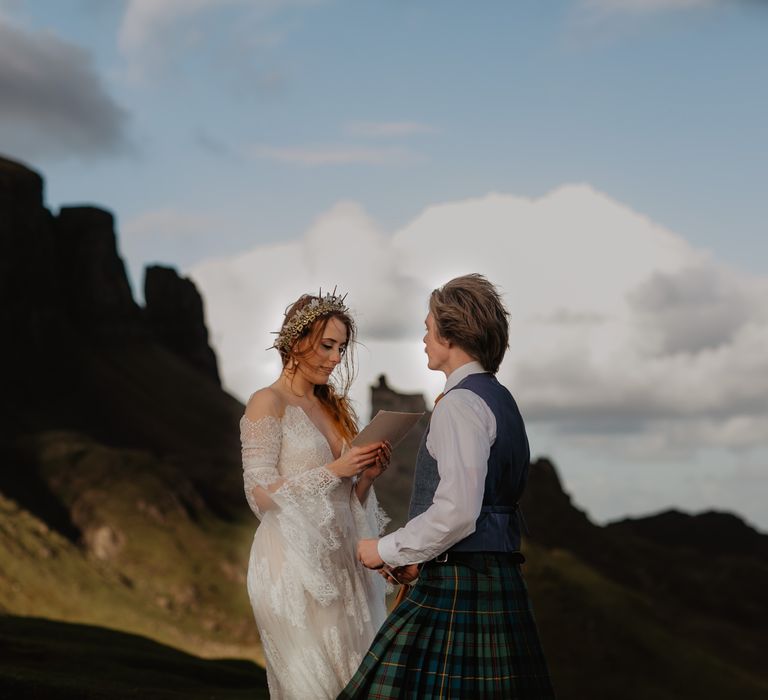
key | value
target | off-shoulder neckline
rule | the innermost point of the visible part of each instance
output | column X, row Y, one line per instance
column 279, row 419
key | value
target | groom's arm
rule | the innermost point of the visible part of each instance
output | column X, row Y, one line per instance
column 460, row 437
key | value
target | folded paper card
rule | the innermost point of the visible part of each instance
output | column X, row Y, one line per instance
column 387, row 425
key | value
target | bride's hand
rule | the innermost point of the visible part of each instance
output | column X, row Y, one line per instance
column 355, row 460
column 383, row 456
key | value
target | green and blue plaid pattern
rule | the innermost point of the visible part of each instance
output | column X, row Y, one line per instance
column 460, row 634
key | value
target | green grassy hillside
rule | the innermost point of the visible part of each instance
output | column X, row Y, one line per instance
column 151, row 558
column 169, row 570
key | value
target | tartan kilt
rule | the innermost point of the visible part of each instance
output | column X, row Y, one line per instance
column 460, row 634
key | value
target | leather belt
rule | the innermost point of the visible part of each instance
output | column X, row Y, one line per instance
column 477, row 560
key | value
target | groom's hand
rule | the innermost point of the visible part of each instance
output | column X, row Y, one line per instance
column 368, row 554
column 401, row 574
column 407, row 573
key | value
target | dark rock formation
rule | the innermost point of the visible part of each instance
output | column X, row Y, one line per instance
column 28, row 282
column 79, row 354
column 384, row 398
column 550, row 515
column 92, row 277
column 174, row 312
column 21, row 192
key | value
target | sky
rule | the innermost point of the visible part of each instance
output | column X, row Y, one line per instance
column 603, row 161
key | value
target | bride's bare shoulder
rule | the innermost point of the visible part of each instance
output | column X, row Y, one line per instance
column 265, row 402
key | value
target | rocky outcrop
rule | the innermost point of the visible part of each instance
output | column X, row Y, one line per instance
column 92, row 277
column 551, row 517
column 385, row 398
column 30, row 307
column 174, row 313
column 59, row 275
column 80, row 355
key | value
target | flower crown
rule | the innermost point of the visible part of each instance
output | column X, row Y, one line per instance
column 319, row 306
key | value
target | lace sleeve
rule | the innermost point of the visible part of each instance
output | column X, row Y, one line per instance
column 369, row 516
column 299, row 506
column 260, row 442
column 265, row 488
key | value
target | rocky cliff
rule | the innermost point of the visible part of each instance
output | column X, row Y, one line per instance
column 80, row 354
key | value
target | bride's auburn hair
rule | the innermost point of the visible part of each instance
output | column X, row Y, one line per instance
column 334, row 396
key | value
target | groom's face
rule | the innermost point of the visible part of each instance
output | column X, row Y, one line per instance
column 437, row 348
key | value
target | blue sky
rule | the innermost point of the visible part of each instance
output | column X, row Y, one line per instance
column 222, row 132
column 664, row 109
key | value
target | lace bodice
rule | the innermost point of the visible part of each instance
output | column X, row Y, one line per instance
column 303, row 445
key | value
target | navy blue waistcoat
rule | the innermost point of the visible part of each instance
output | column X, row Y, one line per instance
column 497, row 529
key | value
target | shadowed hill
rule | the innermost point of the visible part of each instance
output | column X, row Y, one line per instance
column 713, row 533
column 47, row 660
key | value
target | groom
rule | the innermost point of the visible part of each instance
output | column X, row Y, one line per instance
column 466, row 629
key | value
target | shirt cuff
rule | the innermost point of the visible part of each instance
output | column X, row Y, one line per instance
column 388, row 549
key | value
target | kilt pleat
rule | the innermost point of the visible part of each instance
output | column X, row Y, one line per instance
column 461, row 634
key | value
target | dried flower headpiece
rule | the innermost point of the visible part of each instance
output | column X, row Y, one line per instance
column 318, row 306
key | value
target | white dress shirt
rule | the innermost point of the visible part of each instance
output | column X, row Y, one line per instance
column 461, row 433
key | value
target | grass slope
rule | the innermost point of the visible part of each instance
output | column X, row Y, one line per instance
column 152, row 559
column 59, row 661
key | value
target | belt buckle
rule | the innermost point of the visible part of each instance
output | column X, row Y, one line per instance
column 442, row 558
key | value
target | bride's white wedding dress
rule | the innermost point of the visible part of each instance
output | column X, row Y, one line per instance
column 317, row 608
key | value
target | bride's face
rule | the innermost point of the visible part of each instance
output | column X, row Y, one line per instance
column 326, row 353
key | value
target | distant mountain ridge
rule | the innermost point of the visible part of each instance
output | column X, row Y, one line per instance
column 711, row 533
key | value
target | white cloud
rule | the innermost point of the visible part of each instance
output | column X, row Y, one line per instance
column 627, row 343
column 335, row 155
column 247, row 295
column 54, row 103
column 617, row 322
column 386, row 129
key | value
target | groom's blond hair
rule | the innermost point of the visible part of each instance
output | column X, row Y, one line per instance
column 468, row 311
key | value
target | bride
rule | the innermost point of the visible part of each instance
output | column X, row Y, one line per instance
column 316, row 607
